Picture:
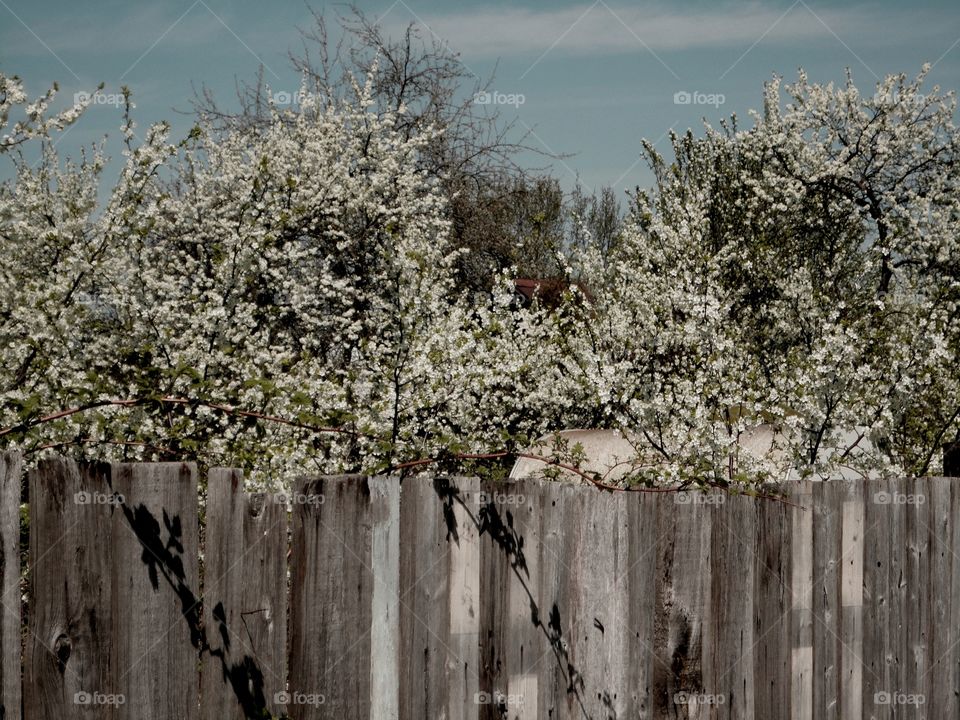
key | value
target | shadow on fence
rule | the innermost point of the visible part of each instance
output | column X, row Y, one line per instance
column 452, row 597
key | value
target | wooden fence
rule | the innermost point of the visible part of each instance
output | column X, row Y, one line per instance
column 454, row 598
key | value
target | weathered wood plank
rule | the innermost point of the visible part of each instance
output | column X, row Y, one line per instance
column 440, row 597
column 642, row 587
column 827, row 642
column 344, row 618
column 500, row 559
column 599, row 601
column 773, row 604
column 244, row 600
column 802, row 677
column 728, row 639
column 952, row 659
column 156, row 612
column 528, row 657
column 682, row 596
column 942, row 699
column 561, row 684
column 68, row 671
column 11, row 468
column 914, row 494
column 851, row 499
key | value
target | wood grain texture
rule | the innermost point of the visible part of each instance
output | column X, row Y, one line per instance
column 499, row 560
column 729, row 628
column 440, row 597
column 827, row 631
column 773, row 605
column 343, row 607
column 68, row 670
column 11, row 468
column 638, row 622
column 244, row 600
column 156, row 592
column 457, row 598
column 943, row 655
column 802, row 676
column 684, row 580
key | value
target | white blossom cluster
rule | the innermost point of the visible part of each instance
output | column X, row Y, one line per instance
column 804, row 274
column 283, row 298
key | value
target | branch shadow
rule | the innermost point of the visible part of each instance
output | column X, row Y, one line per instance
column 510, row 543
column 163, row 560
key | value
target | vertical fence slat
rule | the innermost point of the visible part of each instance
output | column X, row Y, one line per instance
column 156, row 617
column 67, row 660
column 596, row 599
column 850, row 498
column 683, row 592
column 642, row 584
column 802, row 676
column 244, row 600
column 773, row 606
column 11, row 466
column 496, row 573
column 883, row 523
column 943, row 701
column 827, row 521
column 952, row 658
column 728, row 634
column 343, row 606
column 914, row 494
column 518, row 527
column 554, row 671
column 440, row 598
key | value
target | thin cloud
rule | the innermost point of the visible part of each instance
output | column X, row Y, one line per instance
column 598, row 29
column 83, row 34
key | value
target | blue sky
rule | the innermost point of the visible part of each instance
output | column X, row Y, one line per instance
column 594, row 78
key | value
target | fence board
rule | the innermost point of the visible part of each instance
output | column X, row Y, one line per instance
column 850, row 500
column 728, row 633
column 500, row 559
column 943, row 561
column 918, row 586
column 344, row 597
column 156, row 618
column 440, row 597
column 642, row 589
column 773, row 605
column 683, row 594
column 244, row 600
column 827, row 551
column 596, row 598
column 526, row 645
column 11, row 466
column 802, row 676
column 67, row 660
